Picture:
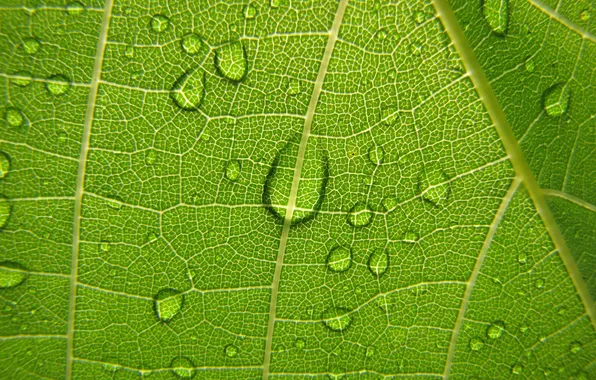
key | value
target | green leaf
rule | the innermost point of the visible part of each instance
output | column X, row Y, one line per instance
column 297, row 189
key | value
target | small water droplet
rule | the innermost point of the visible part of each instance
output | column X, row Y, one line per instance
column 584, row 15
column 419, row 17
column 104, row 246
column 439, row 189
column 339, row 259
column 233, row 169
column 167, row 304
column 411, row 237
column 476, row 344
column 523, row 329
column 517, row 369
column 22, row 79
column 231, row 351
column 183, row 368
column 75, row 8
column 556, row 100
column 11, row 274
column 370, row 352
column 159, row 23
column 376, row 154
column 496, row 14
column 129, row 52
column 150, row 157
column 293, row 86
column 57, row 85
column 530, row 65
column 189, row 90
column 416, row 48
column 5, row 209
column 4, row 164
column 274, row 3
column 575, row 347
column 360, row 215
column 250, row 12
column 231, row 61
column 539, row 283
column 495, row 330
column 337, row 319
column 191, row 43
column 522, row 258
column 299, row 344
column 14, row 117
column 389, row 203
column 378, row 262
column 31, row 45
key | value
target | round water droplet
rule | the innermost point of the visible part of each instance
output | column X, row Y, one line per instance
column 556, row 100
column 57, row 85
column 4, row 164
column 476, row 344
column 378, row 262
column 496, row 14
column 167, row 304
column 22, row 79
column 233, row 169
column 530, row 65
column 31, row 45
column 5, row 210
column 575, row 347
column 159, row 23
column 293, row 86
column 231, row 351
column 14, row 117
column 339, row 259
column 11, row 274
column 299, row 344
column 150, row 157
column 522, row 258
column 370, row 352
column 250, row 12
column 360, row 215
column 274, row 3
column 183, row 368
column 584, row 15
column 376, row 154
column 517, row 369
column 337, row 319
column 129, row 52
column 189, row 90
column 495, row 330
column 539, row 283
column 389, row 203
column 75, row 8
column 191, row 43
column 231, row 61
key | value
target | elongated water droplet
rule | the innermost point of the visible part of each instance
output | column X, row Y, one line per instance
column 231, row 61
column 58, row 84
column 337, row 319
column 11, row 274
column 517, row 369
column 250, row 12
column 311, row 188
column 22, row 79
column 378, row 262
column 439, row 189
column 189, row 90
column 575, row 347
column 5, row 210
column 191, row 43
column 360, row 215
column 14, row 117
column 231, row 351
column 31, row 45
column 183, row 368
column 168, row 303
column 233, row 169
column 476, row 344
column 300, row 343
column 4, row 164
column 556, row 100
column 159, row 23
column 495, row 330
column 496, row 14
column 376, row 154
column 339, row 259
column 75, row 8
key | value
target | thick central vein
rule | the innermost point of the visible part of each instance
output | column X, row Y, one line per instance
column 95, row 78
column 310, row 113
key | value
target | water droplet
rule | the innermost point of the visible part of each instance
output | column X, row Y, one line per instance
column 517, row 369
column 523, row 329
column 14, row 117
column 439, row 189
column 584, row 15
column 250, row 12
column 530, row 65
column 5, row 210
column 378, row 262
column 376, row 154
column 274, row 3
column 539, row 283
column 104, row 246
column 159, row 23
column 370, row 352
column 495, row 330
column 231, row 350
column 231, row 61
column 360, row 215
column 75, row 8
column 57, row 85
column 522, row 258
column 575, row 347
column 389, row 203
column 191, row 43
column 293, row 86
column 233, row 169
column 476, row 344
column 496, row 14
column 22, row 79
column 11, row 274
column 31, row 45
column 556, row 100
column 419, row 17
column 416, row 48
column 4, row 164
column 183, row 368
column 129, row 52
column 168, row 303
column 150, row 157
column 189, row 90
column 411, row 237
column 337, row 319
column 339, row 259
column 299, row 344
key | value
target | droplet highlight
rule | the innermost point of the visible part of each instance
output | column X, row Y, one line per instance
column 360, row 215
column 4, row 164
column 57, row 85
column 556, row 100
column 339, row 259
column 188, row 91
column 233, row 169
column 159, row 23
column 191, row 43
column 495, row 330
column 168, row 303
column 31, row 45
column 496, row 14
column 183, row 368
column 522, row 258
column 575, row 347
column 517, row 369
column 378, row 262
column 231, row 61
column 337, row 319
column 11, row 274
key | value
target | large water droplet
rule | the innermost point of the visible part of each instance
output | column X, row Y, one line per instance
column 311, row 188
column 183, row 368
column 231, row 351
column 22, row 79
column 495, row 330
column 476, row 344
column 159, row 23
column 556, row 100
column 4, row 164
column 5, row 209
column 191, row 43
column 250, row 12
column 376, row 154
column 31, row 45
column 360, row 215
column 189, row 90
column 11, row 274
column 575, row 347
column 339, row 259
column 75, row 8
column 58, row 84
column 231, row 61
column 378, row 262
column 168, row 303
column 337, row 318
column 14, row 117
column 496, row 14
column 233, row 169
column 517, row 369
